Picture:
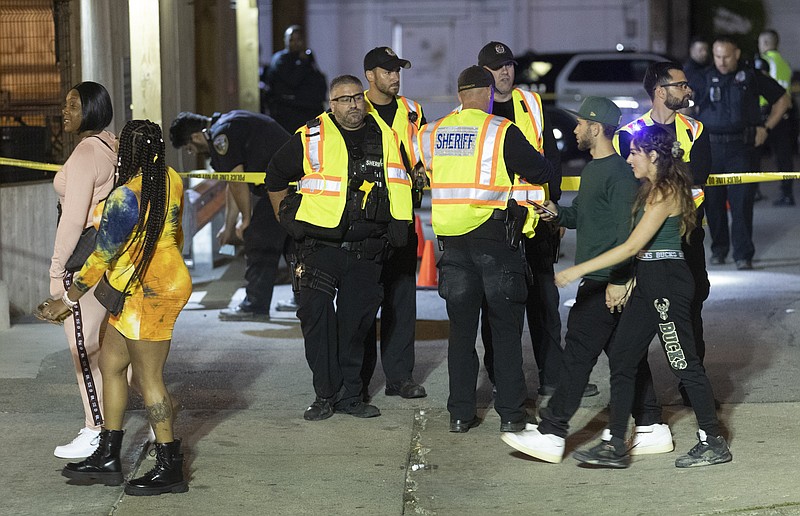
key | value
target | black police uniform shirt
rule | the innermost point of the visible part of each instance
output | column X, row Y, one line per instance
column 506, row 110
column 244, row 138
column 745, row 84
column 700, row 158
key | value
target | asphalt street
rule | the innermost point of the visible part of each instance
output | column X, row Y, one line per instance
column 243, row 388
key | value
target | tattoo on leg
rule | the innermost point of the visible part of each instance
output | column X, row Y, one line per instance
column 159, row 412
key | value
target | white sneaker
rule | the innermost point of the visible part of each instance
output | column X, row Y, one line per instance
column 651, row 439
column 80, row 447
column 546, row 447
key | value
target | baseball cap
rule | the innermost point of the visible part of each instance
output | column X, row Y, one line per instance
column 599, row 109
column 495, row 54
column 474, row 77
column 385, row 58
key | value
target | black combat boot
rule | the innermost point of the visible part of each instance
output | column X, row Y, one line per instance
column 165, row 477
column 103, row 466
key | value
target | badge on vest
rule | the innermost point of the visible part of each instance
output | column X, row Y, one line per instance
column 221, row 144
column 456, row 141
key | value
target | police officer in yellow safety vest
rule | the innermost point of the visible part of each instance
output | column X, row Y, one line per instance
column 471, row 158
column 399, row 307
column 353, row 202
column 667, row 85
column 780, row 137
column 524, row 108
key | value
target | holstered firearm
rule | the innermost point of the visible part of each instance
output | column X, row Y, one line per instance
column 419, row 180
column 515, row 220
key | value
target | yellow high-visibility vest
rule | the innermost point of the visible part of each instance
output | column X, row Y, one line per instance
column 325, row 163
column 463, row 153
column 406, row 129
column 687, row 131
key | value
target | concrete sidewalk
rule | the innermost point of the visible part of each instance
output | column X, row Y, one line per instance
column 243, row 388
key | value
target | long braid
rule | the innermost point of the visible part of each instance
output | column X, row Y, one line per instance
column 141, row 151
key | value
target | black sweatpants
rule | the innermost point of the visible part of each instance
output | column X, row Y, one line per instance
column 475, row 265
column 659, row 305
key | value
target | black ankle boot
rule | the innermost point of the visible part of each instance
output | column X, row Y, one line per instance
column 165, row 477
column 103, row 466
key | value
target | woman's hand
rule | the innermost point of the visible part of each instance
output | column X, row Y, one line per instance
column 567, row 276
column 52, row 310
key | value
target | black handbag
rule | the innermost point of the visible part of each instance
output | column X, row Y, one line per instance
column 82, row 250
column 112, row 299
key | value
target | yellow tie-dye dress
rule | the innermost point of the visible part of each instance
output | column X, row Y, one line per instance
column 154, row 303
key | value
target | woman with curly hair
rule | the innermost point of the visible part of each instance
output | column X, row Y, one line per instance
column 663, row 213
column 85, row 179
column 138, row 252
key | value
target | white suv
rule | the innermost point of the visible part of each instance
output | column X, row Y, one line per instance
column 616, row 75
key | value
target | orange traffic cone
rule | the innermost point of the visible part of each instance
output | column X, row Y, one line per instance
column 420, row 236
column 427, row 270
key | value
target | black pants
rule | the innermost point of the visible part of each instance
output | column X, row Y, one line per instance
column 659, row 305
column 541, row 307
column 779, row 142
column 473, row 266
column 730, row 157
column 334, row 335
column 590, row 330
column 264, row 243
column 398, row 317
column 695, row 255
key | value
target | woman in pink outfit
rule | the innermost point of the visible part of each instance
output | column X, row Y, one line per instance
column 85, row 179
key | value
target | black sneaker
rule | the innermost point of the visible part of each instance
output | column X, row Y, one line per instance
column 319, row 410
column 709, row 451
column 360, row 409
column 610, row 454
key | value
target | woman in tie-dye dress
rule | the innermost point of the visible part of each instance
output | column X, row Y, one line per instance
column 138, row 251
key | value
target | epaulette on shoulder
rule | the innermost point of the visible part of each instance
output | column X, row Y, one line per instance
column 413, row 117
column 314, row 122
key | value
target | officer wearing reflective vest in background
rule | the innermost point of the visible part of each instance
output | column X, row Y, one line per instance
column 669, row 90
column 524, row 108
column 780, row 137
column 727, row 97
column 471, row 158
column 399, row 307
column 353, row 201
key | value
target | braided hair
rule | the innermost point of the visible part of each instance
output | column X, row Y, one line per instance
column 672, row 174
column 141, row 151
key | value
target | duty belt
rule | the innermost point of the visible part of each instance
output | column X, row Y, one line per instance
column 648, row 255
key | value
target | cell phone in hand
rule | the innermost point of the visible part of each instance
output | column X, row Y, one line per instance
column 540, row 207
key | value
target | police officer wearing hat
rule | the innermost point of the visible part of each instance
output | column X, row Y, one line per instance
column 472, row 157
column 727, row 98
column 242, row 141
column 399, row 308
column 524, row 108
column 353, row 202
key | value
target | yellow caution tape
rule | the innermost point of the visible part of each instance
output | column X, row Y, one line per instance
column 256, row 178
column 741, row 178
column 21, row 163
column 568, row 183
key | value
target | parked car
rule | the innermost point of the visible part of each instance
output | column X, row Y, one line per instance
column 564, row 79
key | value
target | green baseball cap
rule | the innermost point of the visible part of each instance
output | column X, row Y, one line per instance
column 599, row 109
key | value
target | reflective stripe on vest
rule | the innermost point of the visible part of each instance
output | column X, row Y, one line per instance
column 682, row 123
column 531, row 119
